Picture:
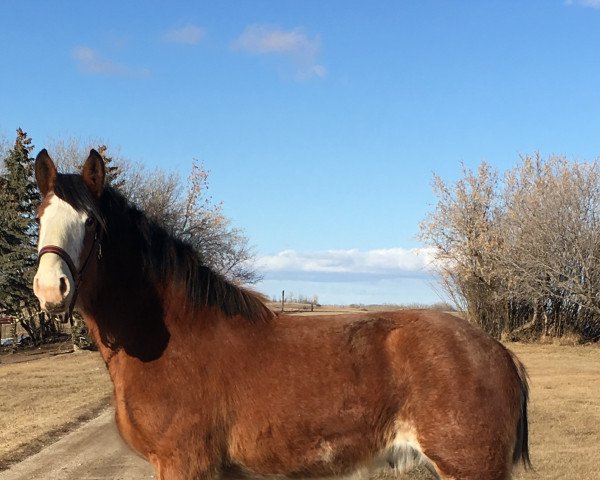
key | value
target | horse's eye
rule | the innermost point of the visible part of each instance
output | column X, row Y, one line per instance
column 90, row 221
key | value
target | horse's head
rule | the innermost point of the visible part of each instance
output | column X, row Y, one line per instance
column 68, row 229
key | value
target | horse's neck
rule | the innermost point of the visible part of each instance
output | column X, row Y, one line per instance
column 125, row 309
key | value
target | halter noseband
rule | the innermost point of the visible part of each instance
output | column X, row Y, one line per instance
column 77, row 275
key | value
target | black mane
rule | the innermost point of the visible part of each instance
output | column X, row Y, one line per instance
column 163, row 256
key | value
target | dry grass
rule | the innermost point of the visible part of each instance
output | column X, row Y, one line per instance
column 45, row 397
column 565, row 411
column 305, row 309
column 40, row 397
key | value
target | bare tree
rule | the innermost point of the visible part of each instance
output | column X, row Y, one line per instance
column 188, row 212
column 553, row 241
column 522, row 253
column 463, row 229
column 70, row 152
column 4, row 149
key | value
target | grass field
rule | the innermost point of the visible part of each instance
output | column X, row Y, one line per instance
column 45, row 397
column 42, row 398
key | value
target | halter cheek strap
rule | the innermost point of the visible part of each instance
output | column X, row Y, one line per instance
column 77, row 275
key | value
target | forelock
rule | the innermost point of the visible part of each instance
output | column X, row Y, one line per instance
column 72, row 189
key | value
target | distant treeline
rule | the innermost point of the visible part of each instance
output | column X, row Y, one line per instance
column 290, row 297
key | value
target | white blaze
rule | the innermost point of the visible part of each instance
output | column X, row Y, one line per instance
column 62, row 226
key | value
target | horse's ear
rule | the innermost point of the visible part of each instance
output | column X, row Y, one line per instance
column 94, row 173
column 45, row 172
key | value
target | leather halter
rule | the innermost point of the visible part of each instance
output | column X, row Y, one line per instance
column 77, row 275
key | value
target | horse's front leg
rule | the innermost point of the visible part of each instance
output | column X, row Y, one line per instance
column 173, row 468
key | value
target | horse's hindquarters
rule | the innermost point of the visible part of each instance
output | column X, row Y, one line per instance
column 464, row 396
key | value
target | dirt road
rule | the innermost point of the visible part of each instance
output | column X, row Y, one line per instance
column 92, row 452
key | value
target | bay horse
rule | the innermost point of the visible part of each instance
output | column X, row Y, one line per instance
column 209, row 383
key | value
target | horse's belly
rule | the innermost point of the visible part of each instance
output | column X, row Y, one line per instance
column 330, row 460
column 351, row 454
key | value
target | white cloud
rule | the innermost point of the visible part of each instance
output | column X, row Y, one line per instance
column 262, row 39
column 89, row 61
column 584, row 3
column 380, row 262
column 294, row 44
column 186, row 35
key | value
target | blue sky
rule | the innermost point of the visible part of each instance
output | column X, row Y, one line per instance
column 321, row 122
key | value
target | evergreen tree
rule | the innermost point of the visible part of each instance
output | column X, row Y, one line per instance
column 18, row 200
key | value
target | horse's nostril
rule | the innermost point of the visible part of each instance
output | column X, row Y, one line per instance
column 63, row 285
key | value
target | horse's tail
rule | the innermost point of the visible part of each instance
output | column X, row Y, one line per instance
column 521, row 451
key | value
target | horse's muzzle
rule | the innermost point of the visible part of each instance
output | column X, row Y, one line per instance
column 53, row 290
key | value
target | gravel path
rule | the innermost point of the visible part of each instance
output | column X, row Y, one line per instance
column 94, row 451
